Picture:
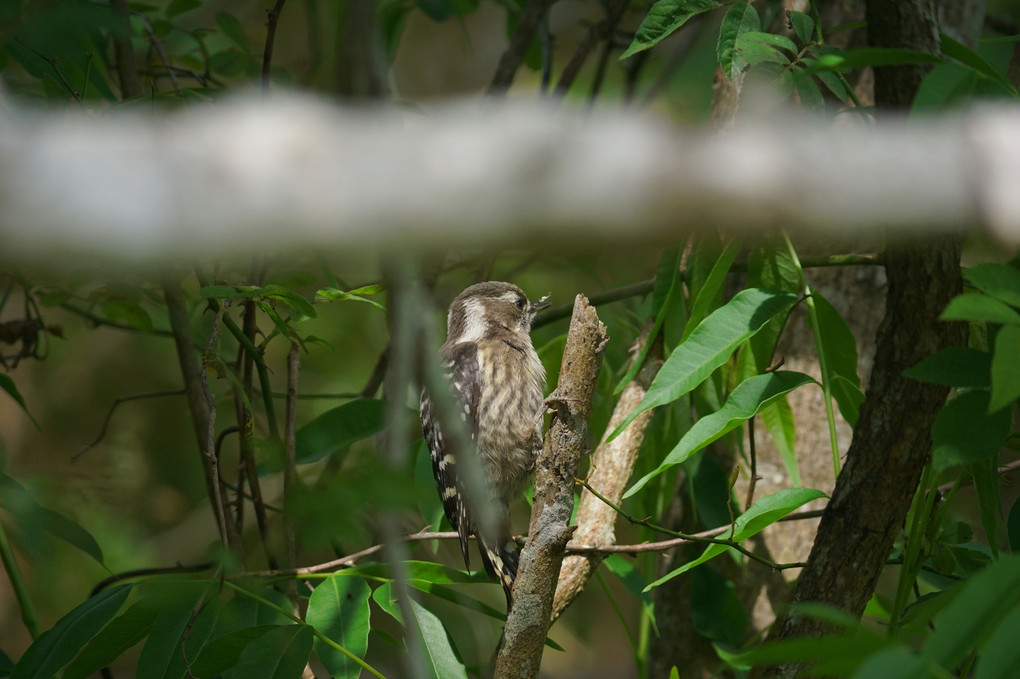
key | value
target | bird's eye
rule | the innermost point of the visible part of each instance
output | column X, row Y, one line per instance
column 520, row 304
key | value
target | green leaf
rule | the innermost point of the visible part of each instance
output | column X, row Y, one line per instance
column 832, row 82
column 710, row 345
column 222, row 653
column 233, row 29
column 218, row 291
column 955, row 50
column 982, row 603
column 1005, row 368
column 665, row 17
column 57, row 646
column 1001, row 281
column 337, row 428
column 780, row 41
column 986, row 483
column 840, row 349
column 976, row 307
column 280, row 653
column 755, row 50
column 339, row 609
column 34, row 516
column 716, row 611
column 441, row 660
column 779, row 423
column 7, row 384
column 807, row 91
column 337, row 295
column 420, row 570
column 1001, row 655
column 840, row 654
column 291, row 299
column 747, row 399
column 740, row 18
column 180, row 7
column 898, row 662
column 456, row 597
column 712, row 286
column 667, row 284
column 178, row 603
column 954, row 367
column 846, row 60
column 803, row 26
column 763, row 513
column 965, row 432
column 1013, row 527
column 129, row 313
column 118, row 636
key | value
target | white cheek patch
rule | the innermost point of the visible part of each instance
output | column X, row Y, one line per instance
column 474, row 321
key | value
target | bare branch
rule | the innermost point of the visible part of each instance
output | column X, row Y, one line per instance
column 529, row 618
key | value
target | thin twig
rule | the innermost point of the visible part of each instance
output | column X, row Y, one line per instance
column 527, row 23
column 644, row 287
column 752, row 453
column 693, row 537
column 109, row 415
column 52, row 61
column 272, row 18
column 158, row 46
column 290, row 451
column 375, row 380
column 596, row 34
column 144, row 572
column 97, row 321
column 210, row 440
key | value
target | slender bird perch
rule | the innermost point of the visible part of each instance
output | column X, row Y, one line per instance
column 529, row 618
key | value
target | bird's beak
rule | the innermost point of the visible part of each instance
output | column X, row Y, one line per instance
column 540, row 304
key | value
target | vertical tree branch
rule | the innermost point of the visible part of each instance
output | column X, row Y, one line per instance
column 529, row 618
column 531, row 16
column 290, row 465
column 272, row 19
column 124, row 52
column 191, row 372
column 892, row 438
column 611, row 467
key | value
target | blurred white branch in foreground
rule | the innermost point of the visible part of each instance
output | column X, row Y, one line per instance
column 295, row 171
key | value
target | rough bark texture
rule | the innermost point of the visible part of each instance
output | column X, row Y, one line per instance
column 891, row 441
column 611, row 467
column 529, row 618
column 905, row 24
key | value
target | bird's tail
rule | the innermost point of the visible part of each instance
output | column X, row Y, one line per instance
column 500, row 559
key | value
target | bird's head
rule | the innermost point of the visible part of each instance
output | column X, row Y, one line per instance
column 484, row 308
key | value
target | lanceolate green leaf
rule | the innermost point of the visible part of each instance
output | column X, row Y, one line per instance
column 174, row 616
column 7, row 384
column 746, row 400
column 840, row 348
column 57, row 646
column 1006, row 368
column 954, row 367
column 975, row 612
column 779, row 423
column 1001, row 281
column 977, row 307
column 1001, row 655
column 846, row 60
column 965, row 55
column 338, row 428
column 667, row 285
column 339, row 609
column 712, row 286
column 761, row 514
column 119, row 635
column 665, row 17
column 710, row 345
column 222, row 653
column 439, row 654
column 965, row 432
column 281, row 653
column 740, row 18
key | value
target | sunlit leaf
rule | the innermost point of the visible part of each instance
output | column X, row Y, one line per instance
column 663, row 19
column 747, row 399
column 779, row 423
column 740, row 18
column 977, row 307
column 1005, row 368
column 710, row 345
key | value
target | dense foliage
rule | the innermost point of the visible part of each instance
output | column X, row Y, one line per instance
column 250, row 542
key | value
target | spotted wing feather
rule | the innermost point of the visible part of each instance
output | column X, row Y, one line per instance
column 461, row 369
